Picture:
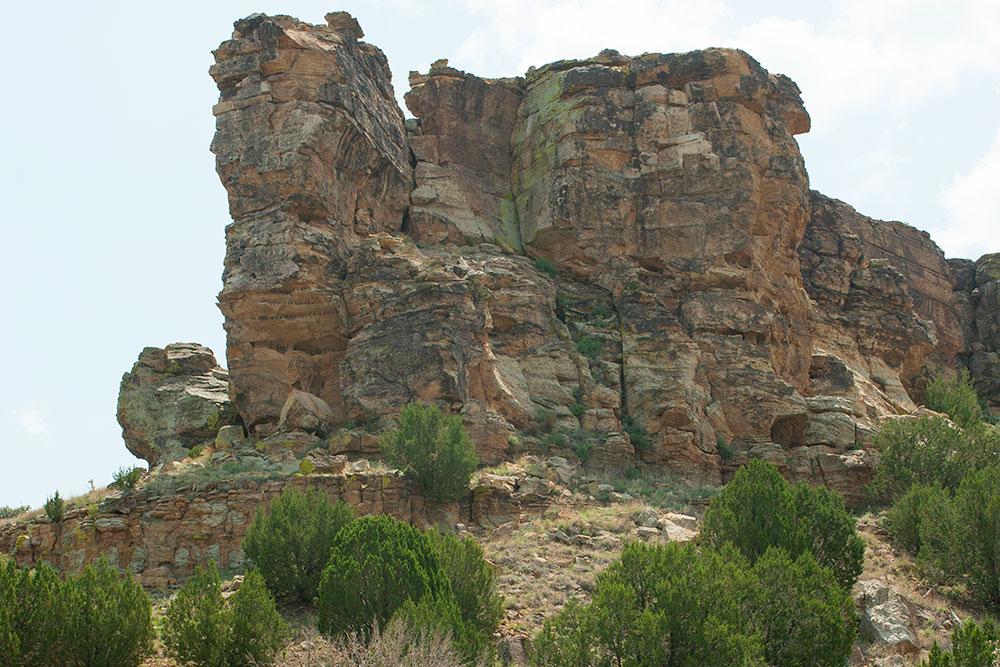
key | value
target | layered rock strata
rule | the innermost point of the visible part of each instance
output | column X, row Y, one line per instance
column 617, row 257
column 161, row 539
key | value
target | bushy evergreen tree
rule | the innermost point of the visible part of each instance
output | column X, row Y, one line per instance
column 290, row 542
column 955, row 396
column 376, row 564
column 685, row 606
column 972, row 645
column 473, row 580
column 201, row 628
column 434, row 449
column 759, row 509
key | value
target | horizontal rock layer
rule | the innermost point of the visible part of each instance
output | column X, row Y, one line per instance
column 161, row 539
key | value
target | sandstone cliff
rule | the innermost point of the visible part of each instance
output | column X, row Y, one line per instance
column 628, row 243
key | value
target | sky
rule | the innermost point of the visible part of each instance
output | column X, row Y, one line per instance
column 113, row 218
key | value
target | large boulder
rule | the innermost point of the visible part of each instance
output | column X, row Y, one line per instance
column 887, row 618
column 173, row 399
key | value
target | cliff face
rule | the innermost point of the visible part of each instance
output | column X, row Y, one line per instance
column 603, row 243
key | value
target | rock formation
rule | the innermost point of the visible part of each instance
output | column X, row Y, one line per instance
column 173, row 400
column 621, row 251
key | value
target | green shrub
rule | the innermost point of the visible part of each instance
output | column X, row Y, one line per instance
column 545, row 420
column 636, row 433
column 197, row 625
column 290, row 543
column 725, row 449
column 434, row 449
column 376, row 564
column 98, row 618
column 682, row 606
column 113, row 621
column 803, row 615
column 590, row 347
column 201, row 628
column 976, row 535
column 125, row 479
column 10, row 643
column 7, row 512
column 55, row 507
column 955, row 396
column 36, row 609
column 929, row 450
column 441, row 616
column 905, row 519
column 546, row 266
column 759, row 509
column 972, row 645
column 258, row 631
column 473, row 580
column 577, row 409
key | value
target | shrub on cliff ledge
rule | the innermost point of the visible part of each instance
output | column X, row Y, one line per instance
column 55, row 507
column 759, row 509
column 955, row 396
column 433, row 448
column 290, row 543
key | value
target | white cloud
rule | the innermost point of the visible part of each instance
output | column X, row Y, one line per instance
column 31, row 419
column 973, row 203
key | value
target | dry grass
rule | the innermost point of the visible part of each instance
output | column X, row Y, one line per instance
column 395, row 646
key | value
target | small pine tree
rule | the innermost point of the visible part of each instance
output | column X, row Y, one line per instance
column 126, row 479
column 290, row 543
column 113, row 623
column 473, row 582
column 55, row 507
column 434, row 448
column 906, row 518
column 197, row 624
column 376, row 564
column 976, row 535
column 972, row 645
column 258, row 630
column 803, row 615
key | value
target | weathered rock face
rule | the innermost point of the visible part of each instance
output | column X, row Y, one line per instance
column 161, row 539
column 984, row 348
column 608, row 243
column 173, row 399
column 311, row 147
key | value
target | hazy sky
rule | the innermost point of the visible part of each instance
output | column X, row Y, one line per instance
column 113, row 216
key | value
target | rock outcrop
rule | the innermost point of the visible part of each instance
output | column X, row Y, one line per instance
column 618, row 257
column 162, row 537
column 173, row 399
column 984, row 348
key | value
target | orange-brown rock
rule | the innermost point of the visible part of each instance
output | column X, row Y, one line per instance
column 616, row 258
column 162, row 538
